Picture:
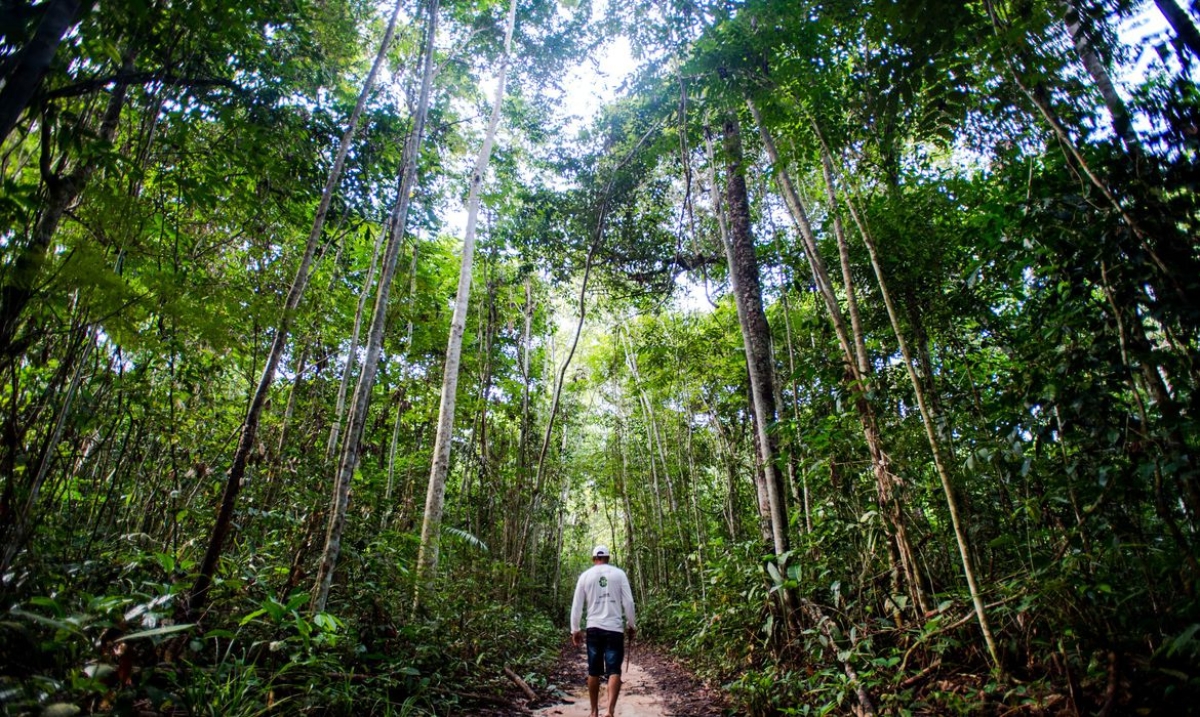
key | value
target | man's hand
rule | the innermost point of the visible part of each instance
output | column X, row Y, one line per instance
column 631, row 631
column 577, row 638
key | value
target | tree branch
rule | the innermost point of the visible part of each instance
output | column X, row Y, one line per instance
column 138, row 78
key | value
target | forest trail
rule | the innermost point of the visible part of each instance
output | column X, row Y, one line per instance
column 654, row 686
column 641, row 696
column 892, row 305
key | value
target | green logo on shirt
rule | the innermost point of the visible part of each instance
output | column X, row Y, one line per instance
column 603, row 582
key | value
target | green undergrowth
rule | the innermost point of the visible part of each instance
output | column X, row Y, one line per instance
column 101, row 639
column 729, row 631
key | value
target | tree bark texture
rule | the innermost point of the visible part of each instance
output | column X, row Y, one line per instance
column 760, row 490
column 31, row 65
column 756, row 333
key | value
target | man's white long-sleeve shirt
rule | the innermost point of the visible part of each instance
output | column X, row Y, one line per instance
column 604, row 589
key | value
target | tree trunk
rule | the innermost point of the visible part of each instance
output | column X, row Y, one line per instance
column 385, row 513
column 198, row 595
column 928, row 418
column 791, row 351
column 539, row 475
column 760, row 490
column 30, row 66
column 427, row 555
column 630, row 535
column 389, row 510
column 698, row 522
column 1038, row 95
column 756, row 333
column 887, row 482
column 19, row 523
column 1073, row 16
column 820, row 272
column 61, row 193
column 352, row 354
column 480, row 516
column 656, row 449
column 1181, row 23
column 524, row 428
column 273, row 475
column 729, row 463
column 357, row 418
column 856, row 330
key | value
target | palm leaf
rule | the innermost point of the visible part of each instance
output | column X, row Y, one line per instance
column 465, row 537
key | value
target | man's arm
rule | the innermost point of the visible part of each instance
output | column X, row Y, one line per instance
column 577, row 610
column 627, row 604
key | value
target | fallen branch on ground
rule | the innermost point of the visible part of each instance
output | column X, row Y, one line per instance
column 522, row 684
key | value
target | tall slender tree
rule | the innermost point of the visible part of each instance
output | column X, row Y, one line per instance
column 249, row 431
column 435, row 497
column 397, row 225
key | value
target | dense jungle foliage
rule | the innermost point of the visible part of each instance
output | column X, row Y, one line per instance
column 865, row 332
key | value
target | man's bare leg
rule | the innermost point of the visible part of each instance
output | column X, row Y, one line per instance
column 614, row 689
column 594, row 695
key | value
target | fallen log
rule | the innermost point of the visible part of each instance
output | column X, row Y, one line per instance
column 522, row 684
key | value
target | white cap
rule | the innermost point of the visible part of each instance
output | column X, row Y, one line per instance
column 601, row 551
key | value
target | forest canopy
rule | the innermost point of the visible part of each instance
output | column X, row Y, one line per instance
column 334, row 334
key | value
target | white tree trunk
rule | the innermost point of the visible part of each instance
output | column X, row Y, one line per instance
column 357, row 419
column 352, row 352
column 427, row 556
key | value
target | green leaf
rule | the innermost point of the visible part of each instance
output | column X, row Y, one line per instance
column 251, row 616
column 220, row 633
column 51, row 603
column 465, row 537
column 297, row 601
column 156, row 632
column 1184, row 640
column 65, row 625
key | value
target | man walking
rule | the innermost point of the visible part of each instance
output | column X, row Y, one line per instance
column 605, row 590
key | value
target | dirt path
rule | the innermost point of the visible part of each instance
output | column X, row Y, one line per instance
column 654, row 686
column 641, row 696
